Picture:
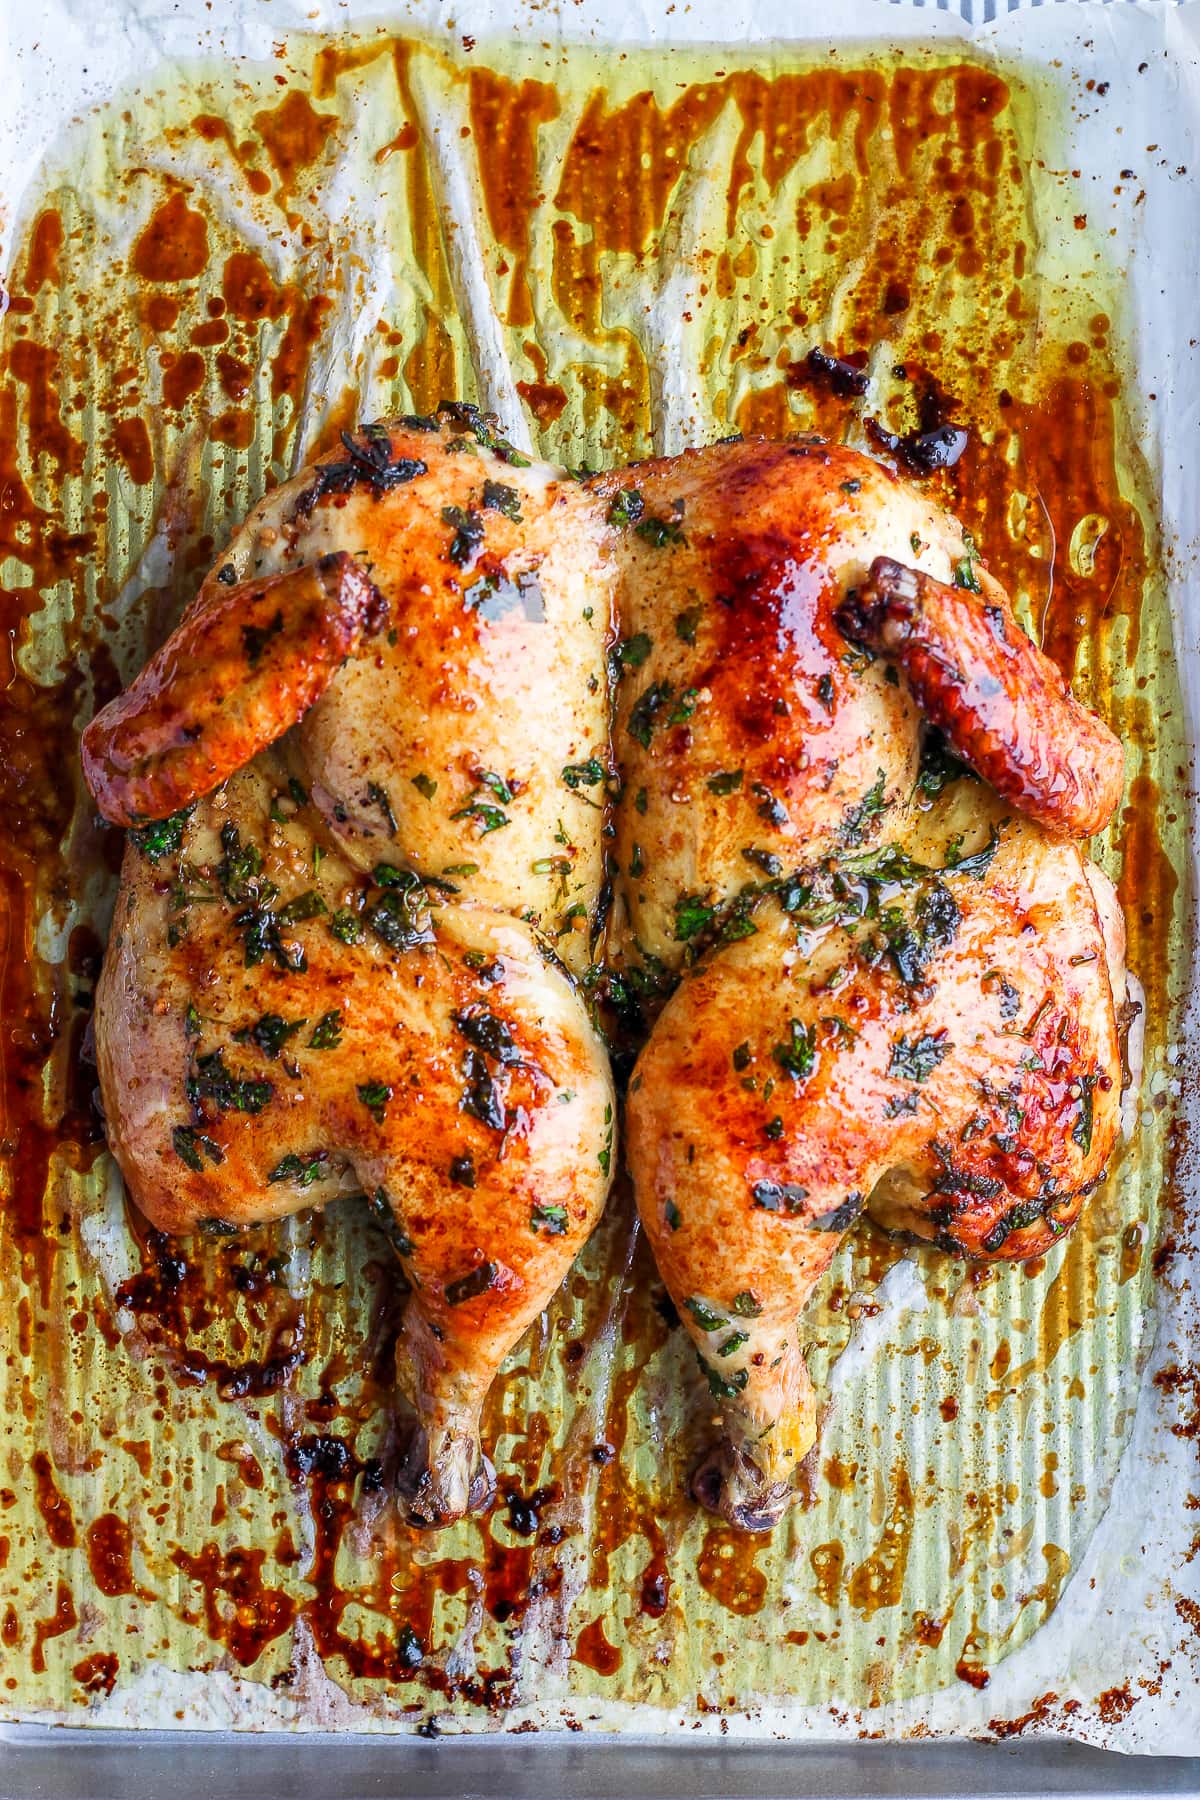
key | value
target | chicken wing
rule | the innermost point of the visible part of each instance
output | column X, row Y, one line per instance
column 246, row 663
column 1000, row 704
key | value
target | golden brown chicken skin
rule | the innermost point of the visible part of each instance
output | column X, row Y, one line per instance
column 345, row 968
column 927, row 1031
column 1000, row 704
column 248, row 661
column 900, row 986
column 749, row 733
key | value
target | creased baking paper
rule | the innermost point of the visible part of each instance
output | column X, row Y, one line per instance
column 1115, row 1663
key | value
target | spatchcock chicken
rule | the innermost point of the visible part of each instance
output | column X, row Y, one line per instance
column 460, row 772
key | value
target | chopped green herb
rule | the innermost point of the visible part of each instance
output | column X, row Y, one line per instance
column 779, row 1197
column 741, row 1057
column 733, row 1342
column 770, row 809
column 240, row 869
column 631, row 652
column 627, row 508
column 188, row 1144
column 1081, row 1131
column 346, row 926
column 766, row 860
column 486, row 1032
column 938, row 766
column 162, row 837
column 468, row 533
column 327, row 1032
column 705, row 1317
column 641, row 800
column 976, row 864
column 858, row 818
column 672, row 1216
column 727, row 782
column 375, row 1096
column 488, row 818
column 964, row 568
column 916, row 1060
column 270, row 1033
column 481, row 1096
column 798, row 1053
column 660, row 532
column 385, row 1214
column 723, row 1387
column 691, row 916
column 400, row 917
column 584, row 774
column 550, row 1219
column 425, row 786
column 644, row 717
column 684, row 709
column 746, row 1306
column 499, row 498
column 469, row 1287
column 379, row 797
column 686, row 623
column 497, row 785
column 825, row 692
column 305, row 906
column 839, row 1218
column 228, row 1092
column 303, row 1170
column 462, row 1172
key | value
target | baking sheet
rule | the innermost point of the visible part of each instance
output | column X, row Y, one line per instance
column 1066, row 1583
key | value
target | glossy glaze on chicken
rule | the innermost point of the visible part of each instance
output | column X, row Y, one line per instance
column 394, row 866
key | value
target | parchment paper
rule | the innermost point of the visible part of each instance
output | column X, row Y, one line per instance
column 1129, row 1614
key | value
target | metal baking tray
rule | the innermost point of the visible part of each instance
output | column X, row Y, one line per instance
column 76, row 1765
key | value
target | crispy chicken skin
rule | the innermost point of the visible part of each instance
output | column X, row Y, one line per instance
column 942, row 1050
column 288, row 1012
column 1001, row 705
column 247, row 662
column 859, row 977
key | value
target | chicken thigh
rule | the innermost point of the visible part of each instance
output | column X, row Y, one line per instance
column 341, row 962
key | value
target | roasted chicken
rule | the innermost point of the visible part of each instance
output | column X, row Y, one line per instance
column 343, row 967
column 378, row 808
column 900, row 992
